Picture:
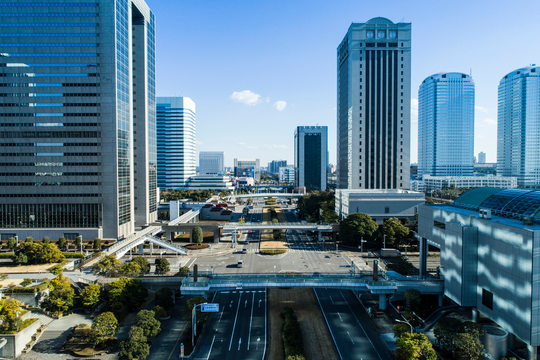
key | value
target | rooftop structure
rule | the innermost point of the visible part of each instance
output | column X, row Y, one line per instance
column 431, row 183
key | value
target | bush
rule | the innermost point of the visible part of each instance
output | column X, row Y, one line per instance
column 164, row 298
column 62, row 243
column 184, row 270
column 197, row 235
column 291, row 334
column 73, row 255
column 272, row 251
column 159, row 312
column 56, row 270
column 97, row 244
column 46, row 240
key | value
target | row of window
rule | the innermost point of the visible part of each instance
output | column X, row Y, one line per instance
column 11, row 195
column 49, row 134
column 50, row 85
column 46, row 144
column 48, row 104
column 50, row 154
column 52, row 183
column 50, row 215
column 50, row 114
column 47, row 124
column 32, row 4
column 34, row 75
column 49, row 95
column 51, row 164
column 51, row 174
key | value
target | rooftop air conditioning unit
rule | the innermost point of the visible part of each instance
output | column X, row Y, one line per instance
column 487, row 214
column 527, row 220
column 481, row 213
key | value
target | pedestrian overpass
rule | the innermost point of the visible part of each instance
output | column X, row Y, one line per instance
column 263, row 195
column 279, row 226
column 362, row 281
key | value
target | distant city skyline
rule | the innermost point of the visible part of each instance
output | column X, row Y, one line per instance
column 270, row 79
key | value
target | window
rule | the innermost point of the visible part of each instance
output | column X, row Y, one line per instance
column 487, row 299
column 387, row 210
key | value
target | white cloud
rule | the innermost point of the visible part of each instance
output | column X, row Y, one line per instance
column 280, row 146
column 200, row 142
column 280, row 105
column 267, row 99
column 414, row 110
column 241, row 143
column 480, row 108
column 491, row 121
column 267, row 146
column 245, row 97
column 252, row 147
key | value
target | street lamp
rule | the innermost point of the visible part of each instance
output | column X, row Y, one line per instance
column 213, row 269
column 405, row 322
column 384, row 241
column 362, row 241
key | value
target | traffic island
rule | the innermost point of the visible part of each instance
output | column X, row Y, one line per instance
column 270, row 243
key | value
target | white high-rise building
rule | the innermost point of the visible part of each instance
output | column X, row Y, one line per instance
column 176, row 141
column 481, row 157
column 373, row 111
column 211, row 163
column 446, row 125
column 518, row 126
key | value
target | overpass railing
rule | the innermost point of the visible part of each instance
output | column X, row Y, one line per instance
column 291, row 225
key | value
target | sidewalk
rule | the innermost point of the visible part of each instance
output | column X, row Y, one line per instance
column 223, row 247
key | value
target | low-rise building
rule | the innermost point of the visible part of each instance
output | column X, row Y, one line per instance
column 431, row 183
column 379, row 204
column 209, row 182
column 286, row 174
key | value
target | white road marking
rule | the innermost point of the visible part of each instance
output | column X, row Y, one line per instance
column 327, row 324
column 235, row 318
column 350, row 337
column 340, row 316
column 332, row 300
column 209, row 351
column 265, row 325
column 251, row 318
column 239, row 342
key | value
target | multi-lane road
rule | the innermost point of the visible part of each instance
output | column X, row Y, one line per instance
column 238, row 331
column 352, row 333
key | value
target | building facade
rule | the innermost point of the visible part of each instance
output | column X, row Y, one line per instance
column 211, row 163
column 379, row 204
column 286, row 174
column 176, row 141
column 247, row 168
column 518, row 126
column 431, row 183
column 311, row 157
column 210, row 182
column 373, row 106
column 446, row 125
column 78, row 87
column 274, row 165
column 481, row 157
column 489, row 241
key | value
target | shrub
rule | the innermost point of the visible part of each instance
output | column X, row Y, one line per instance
column 272, row 251
column 184, row 270
column 46, row 240
column 291, row 334
column 159, row 312
column 97, row 244
column 62, row 242
column 197, row 235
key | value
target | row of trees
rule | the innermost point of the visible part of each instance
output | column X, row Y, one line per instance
column 459, row 337
column 319, row 205
column 359, row 226
column 197, row 195
column 110, row 266
column 62, row 243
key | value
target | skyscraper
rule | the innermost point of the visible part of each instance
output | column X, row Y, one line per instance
column 481, row 157
column 518, row 126
column 211, row 163
column 247, row 168
column 176, row 141
column 373, row 111
column 78, row 108
column 446, row 125
column 274, row 165
column 311, row 157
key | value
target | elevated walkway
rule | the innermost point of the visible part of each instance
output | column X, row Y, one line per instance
column 278, row 226
column 151, row 239
column 363, row 281
column 263, row 195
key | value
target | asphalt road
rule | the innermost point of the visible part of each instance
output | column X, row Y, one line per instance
column 238, row 331
column 353, row 335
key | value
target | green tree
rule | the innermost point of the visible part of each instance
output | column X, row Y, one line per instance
column 78, row 243
column 37, row 253
column 469, row 345
column 147, row 322
column 62, row 243
column 109, row 265
column 46, row 240
column 10, row 311
column 12, row 243
column 413, row 299
column 104, row 327
column 394, row 230
column 356, row 226
column 56, row 270
column 143, row 263
column 3, row 276
column 400, row 329
column 131, row 269
column 162, row 266
column 164, row 298
column 97, row 244
column 61, row 294
column 197, row 235
column 136, row 346
column 446, row 329
column 159, row 312
column 188, row 308
column 184, row 270
column 90, row 295
column 49, row 253
column 126, row 295
column 26, row 282
column 29, row 239
column 414, row 346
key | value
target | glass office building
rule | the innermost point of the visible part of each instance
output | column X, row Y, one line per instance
column 446, row 125
column 77, row 83
column 311, row 157
column 211, row 163
column 176, row 141
column 250, row 168
column 518, row 126
column 373, row 106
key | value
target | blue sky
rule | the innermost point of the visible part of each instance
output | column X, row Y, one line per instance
column 258, row 69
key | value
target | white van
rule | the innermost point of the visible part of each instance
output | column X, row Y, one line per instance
column 240, row 263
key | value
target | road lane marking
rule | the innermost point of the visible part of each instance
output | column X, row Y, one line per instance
column 360, row 325
column 209, row 351
column 239, row 342
column 265, row 325
column 177, row 340
column 331, row 299
column 327, row 324
column 340, row 316
column 350, row 337
column 251, row 318
column 234, row 326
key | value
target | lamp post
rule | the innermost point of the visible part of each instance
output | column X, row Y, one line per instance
column 384, row 241
column 405, row 322
column 194, row 323
column 362, row 241
column 213, row 269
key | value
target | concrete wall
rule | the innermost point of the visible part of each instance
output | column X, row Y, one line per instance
column 17, row 342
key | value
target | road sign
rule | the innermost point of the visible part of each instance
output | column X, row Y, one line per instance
column 210, row 307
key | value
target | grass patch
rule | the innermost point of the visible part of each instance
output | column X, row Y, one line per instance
column 273, row 251
column 26, row 323
column 291, row 334
column 197, row 246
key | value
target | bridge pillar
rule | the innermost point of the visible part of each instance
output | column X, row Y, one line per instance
column 216, row 236
column 151, row 249
column 441, row 296
column 474, row 315
column 334, row 236
column 141, row 249
column 423, row 256
column 382, row 302
column 531, row 352
column 320, row 236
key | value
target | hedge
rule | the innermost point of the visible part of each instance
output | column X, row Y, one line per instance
column 23, row 326
column 6, row 255
column 28, row 289
column 291, row 334
column 73, row 255
column 273, row 252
